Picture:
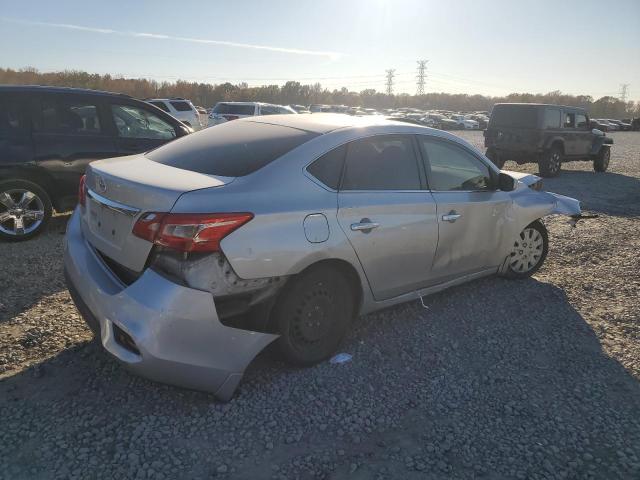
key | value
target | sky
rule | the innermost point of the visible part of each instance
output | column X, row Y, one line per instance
column 490, row 47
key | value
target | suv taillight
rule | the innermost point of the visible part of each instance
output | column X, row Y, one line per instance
column 189, row 232
column 82, row 191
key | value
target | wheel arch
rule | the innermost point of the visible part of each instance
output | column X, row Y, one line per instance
column 33, row 175
column 556, row 142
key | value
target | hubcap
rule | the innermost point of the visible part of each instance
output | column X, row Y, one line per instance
column 555, row 162
column 527, row 251
column 21, row 212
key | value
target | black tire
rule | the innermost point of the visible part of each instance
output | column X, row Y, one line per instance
column 324, row 298
column 550, row 162
column 601, row 162
column 525, row 249
column 11, row 192
column 497, row 159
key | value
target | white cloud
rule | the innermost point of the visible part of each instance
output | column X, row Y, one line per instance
column 223, row 43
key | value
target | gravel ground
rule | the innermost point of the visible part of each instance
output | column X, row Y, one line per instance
column 496, row 379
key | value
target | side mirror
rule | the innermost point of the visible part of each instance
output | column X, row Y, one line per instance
column 506, row 183
column 182, row 130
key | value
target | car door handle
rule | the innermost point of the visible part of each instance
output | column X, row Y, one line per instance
column 451, row 217
column 363, row 226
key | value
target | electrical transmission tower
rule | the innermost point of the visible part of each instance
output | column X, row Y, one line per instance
column 422, row 65
column 624, row 92
column 390, row 74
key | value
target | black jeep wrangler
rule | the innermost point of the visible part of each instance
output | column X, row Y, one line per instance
column 546, row 134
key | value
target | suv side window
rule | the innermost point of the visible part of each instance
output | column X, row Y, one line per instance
column 14, row 121
column 328, row 167
column 384, row 162
column 268, row 110
column 569, row 120
column 68, row 116
column 451, row 168
column 136, row 122
column 581, row 121
column 551, row 118
column 161, row 106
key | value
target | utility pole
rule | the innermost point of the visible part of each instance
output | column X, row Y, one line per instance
column 390, row 74
column 624, row 92
column 422, row 65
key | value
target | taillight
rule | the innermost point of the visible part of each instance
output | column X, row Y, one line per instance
column 189, row 232
column 82, row 191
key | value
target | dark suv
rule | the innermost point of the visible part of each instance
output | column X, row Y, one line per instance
column 48, row 135
column 546, row 134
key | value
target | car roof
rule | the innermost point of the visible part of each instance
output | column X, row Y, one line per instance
column 540, row 105
column 50, row 89
column 321, row 122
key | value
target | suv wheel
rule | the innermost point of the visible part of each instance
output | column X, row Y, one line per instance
column 550, row 162
column 312, row 316
column 601, row 162
column 529, row 251
column 497, row 159
column 25, row 209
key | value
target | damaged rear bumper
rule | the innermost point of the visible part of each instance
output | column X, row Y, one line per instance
column 157, row 328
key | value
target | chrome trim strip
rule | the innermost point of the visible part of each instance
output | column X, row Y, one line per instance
column 112, row 205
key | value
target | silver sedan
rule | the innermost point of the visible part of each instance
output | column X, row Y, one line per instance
column 190, row 259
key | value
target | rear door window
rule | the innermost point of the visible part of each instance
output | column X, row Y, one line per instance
column 68, row 116
column 162, row 106
column 569, row 120
column 181, row 106
column 232, row 149
column 136, row 122
column 384, row 162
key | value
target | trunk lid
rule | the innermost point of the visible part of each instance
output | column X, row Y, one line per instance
column 119, row 190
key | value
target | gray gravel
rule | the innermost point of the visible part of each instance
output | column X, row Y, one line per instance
column 496, row 379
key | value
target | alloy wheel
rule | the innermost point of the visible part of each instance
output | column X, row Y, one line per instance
column 21, row 212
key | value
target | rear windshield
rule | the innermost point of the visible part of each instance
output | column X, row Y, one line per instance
column 234, row 109
column 523, row 116
column 181, row 106
column 232, row 149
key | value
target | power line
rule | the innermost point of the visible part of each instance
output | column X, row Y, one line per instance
column 422, row 65
column 390, row 74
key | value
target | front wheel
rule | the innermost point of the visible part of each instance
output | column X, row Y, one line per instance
column 550, row 162
column 25, row 210
column 312, row 316
column 529, row 251
column 601, row 162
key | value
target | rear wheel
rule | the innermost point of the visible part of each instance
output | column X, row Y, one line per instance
column 497, row 159
column 312, row 316
column 529, row 251
column 25, row 210
column 601, row 163
column 550, row 162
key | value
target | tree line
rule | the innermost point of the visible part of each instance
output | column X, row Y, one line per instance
column 292, row 92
